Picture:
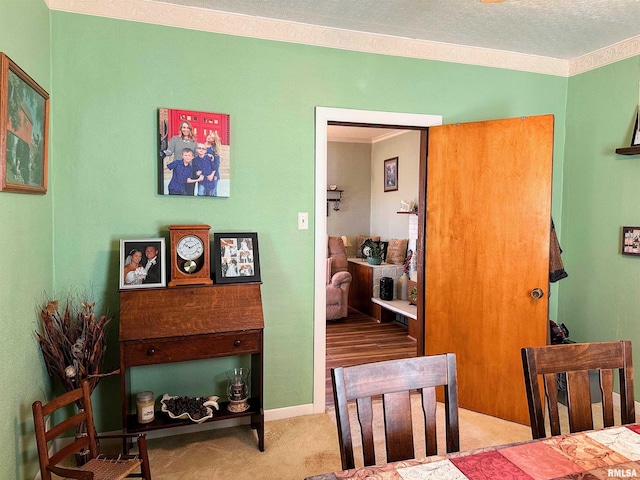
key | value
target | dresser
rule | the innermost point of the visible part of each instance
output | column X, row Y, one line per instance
column 179, row 324
column 365, row 284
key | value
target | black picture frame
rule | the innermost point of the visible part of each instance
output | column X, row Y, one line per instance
column 635, row 136
column 631, row 241
column 236, row 258
column 390, row 174
column 146, row 276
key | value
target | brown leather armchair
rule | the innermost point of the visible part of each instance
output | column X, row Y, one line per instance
column 338, row 279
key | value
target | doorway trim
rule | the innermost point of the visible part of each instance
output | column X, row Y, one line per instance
column 324, row 115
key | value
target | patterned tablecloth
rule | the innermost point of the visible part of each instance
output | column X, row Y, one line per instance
column 595, row 455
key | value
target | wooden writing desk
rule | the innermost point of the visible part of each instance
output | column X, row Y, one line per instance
column 164, row 325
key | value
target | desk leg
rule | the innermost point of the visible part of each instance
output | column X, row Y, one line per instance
column 257, row 423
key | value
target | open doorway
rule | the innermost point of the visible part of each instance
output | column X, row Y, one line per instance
column 325, row 116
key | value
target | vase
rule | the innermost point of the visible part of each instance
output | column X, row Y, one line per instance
column 374, row 260
column 403, row 287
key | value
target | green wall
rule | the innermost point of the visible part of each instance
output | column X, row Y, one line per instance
column 600, row 299
column 26, row 266
column 111, row 76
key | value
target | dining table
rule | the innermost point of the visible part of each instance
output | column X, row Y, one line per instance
column 606, row 453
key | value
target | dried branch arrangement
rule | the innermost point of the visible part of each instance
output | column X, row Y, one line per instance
column 73, row 343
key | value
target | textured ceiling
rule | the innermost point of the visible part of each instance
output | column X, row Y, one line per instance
column 561, row 29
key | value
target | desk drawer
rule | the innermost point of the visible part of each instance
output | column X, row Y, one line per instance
column 191, row 347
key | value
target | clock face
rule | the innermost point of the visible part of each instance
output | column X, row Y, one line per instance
column 190, row 247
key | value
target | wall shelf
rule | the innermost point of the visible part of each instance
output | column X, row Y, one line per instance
column 407, row 213
column 635, row 150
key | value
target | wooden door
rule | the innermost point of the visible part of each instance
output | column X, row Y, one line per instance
column 488, row 226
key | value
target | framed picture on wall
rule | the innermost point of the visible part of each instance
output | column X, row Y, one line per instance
column 24, row 131
column 391, row 174
column 236, row 258
column 142, row 263
column 631, row 241
column 635, row 136
column 194, row 152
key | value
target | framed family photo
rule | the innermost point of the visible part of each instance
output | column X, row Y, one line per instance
column 391, row 174
column 24, row 131
column 194, row 152
column 236, row 258
column 142, row 263
column 631, row 241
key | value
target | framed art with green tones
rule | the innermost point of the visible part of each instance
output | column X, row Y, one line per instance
column 24, row 131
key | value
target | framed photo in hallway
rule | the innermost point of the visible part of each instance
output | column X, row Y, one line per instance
column 194, row 152
column 391, row 174
column 236, row 258
column 24, row 131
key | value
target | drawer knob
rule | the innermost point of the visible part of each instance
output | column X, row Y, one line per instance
column 151, row 351
column 236, row 343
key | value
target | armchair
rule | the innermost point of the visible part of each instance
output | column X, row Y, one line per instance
column 338, row 279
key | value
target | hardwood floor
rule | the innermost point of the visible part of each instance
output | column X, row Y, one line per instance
column 360, row 339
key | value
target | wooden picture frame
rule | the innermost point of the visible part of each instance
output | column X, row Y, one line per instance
column 236, row 258
column 390, row 174
column 151, row 271
column 631, row 241
column 24, row 131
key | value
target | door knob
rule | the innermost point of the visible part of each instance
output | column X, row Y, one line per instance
column 537, row 293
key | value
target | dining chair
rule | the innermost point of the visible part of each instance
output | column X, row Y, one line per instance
column 575, row 360
column 395, row 380
column 98, row 466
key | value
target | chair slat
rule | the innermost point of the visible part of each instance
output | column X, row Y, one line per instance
column 579, row 401
column 606, row 390
column 365, row 418
column 397, row 425
column 551, row 390
column 429, row 413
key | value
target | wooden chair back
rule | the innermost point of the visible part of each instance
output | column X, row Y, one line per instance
column 97, row 466
column 394, row 380
column 575, row 360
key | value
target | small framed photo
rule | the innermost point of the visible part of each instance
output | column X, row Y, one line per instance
column 631, row 241
column 142, row 263
column 391, row 174
column 236, row 258
column 24, row 131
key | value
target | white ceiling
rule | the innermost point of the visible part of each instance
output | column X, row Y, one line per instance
column 559, row 29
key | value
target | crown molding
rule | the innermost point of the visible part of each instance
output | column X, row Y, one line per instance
column 605, row 56
column 200, row 19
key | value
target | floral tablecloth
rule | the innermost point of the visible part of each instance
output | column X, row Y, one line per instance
column 599, row 454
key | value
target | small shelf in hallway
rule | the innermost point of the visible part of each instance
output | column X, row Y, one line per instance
column 361, row 339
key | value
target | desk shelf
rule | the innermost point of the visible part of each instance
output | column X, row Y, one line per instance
column 162, row 420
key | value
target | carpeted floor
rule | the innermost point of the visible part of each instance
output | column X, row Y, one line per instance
column 294, row 448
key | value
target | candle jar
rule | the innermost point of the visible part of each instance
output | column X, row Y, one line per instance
column 238, row 389
column 145, row 407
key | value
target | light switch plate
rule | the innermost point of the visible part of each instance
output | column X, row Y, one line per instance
column 303, row 221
